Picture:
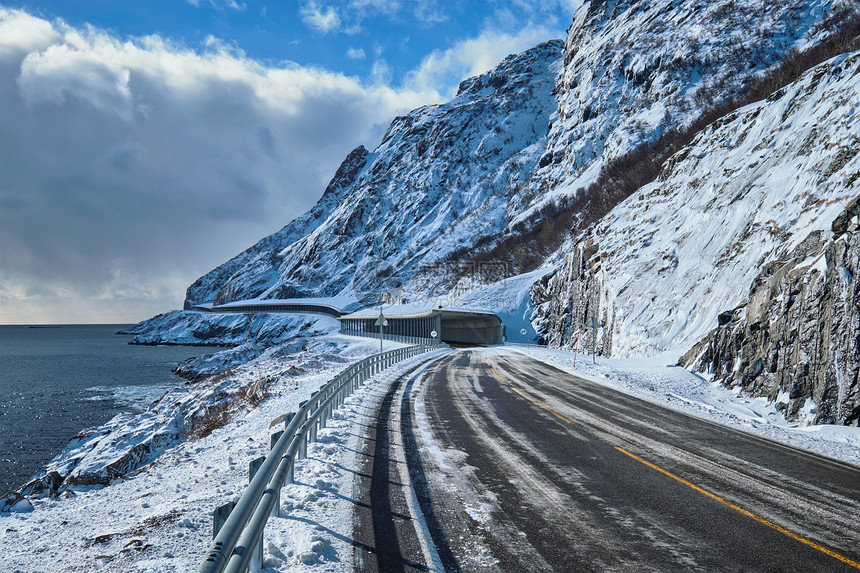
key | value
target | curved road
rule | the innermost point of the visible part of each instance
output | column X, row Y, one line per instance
column 488, row 460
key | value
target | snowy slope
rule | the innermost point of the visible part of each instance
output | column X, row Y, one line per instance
column 225, row 386
column 635, row 70
column 748, row 190
column 258, row 263
column 443, row 176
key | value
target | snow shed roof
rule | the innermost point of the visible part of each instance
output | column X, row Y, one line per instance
column 421, row 310
column 328, row 306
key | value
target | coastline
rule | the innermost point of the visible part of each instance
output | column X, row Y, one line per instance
column 59, row 380
column 158, row 516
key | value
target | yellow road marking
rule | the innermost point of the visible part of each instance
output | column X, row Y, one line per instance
column 713, row 496
column 535, row 402
column 743, row 511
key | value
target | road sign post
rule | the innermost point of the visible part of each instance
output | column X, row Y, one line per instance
column 381, row 322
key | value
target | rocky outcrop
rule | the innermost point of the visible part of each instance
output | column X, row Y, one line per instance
column 796, row 340
column 574, row 300
column 218, row 329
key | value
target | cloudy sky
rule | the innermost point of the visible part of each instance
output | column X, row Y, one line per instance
column 144, row 142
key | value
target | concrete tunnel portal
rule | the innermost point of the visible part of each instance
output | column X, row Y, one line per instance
column 407, row 323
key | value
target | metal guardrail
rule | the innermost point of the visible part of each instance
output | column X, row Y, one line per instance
column 237, row 545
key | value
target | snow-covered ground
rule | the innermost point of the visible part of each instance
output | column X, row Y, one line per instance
column 159, row 518
column 657, row 380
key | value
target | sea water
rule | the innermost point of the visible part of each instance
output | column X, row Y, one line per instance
column 57, row 381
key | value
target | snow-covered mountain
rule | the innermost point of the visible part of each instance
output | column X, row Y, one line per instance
column 749, row 190
column 538, row 127
column 527, row 140
column 442, row 177
column 637, row 70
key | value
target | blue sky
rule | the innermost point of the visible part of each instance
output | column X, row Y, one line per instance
column 144, row 142
column 382, row 40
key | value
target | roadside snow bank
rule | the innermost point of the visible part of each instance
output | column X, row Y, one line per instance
column 658, row 380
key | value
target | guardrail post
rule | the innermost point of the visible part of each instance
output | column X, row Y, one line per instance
column 274, row 439
column 220, row 515
column 256, row 564
column 290, row 476
column 276, row 511
column 303, row 446
column 257, row 557
column 253, row 466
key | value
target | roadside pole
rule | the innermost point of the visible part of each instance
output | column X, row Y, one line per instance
column 593, row 326
column 381, row 322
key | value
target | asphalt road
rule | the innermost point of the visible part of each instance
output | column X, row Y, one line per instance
column 488, row 460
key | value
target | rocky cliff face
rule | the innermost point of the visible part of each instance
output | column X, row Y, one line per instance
column 442, row 177
column 796, row 339
column 634, row 71
column 748, row 190
column 574, row 306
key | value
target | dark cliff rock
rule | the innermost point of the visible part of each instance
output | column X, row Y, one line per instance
column 797, row 338
column 567, row 299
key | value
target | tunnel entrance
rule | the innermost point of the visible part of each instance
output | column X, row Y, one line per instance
column 417, row 325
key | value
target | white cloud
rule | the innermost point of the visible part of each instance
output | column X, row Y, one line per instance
column 322, row 19
column 388, row 7
column 130, row 168
column 20, row 32
column 355, row 54
column 220, row 4
column 428, row 12
column 443, row 70
column 380, row 74
column 62, row 71
column 571, row 5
